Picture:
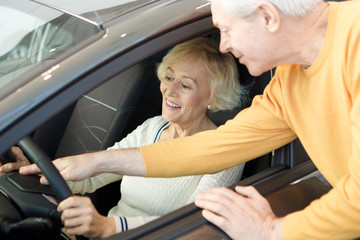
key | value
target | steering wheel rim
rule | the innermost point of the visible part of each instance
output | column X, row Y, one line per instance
column 44, row 162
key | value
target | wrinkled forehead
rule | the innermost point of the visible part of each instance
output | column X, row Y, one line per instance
column 219, row 15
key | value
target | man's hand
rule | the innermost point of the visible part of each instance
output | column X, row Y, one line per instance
column 80, row 167
column 243, row 214
column 20, row 158
column 73, row 168
column 80, row 217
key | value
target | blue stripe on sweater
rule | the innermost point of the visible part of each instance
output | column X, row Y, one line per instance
column 122, row 225
column 126, row 225
column 158, row 132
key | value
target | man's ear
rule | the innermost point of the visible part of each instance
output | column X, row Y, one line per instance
column 270, row 14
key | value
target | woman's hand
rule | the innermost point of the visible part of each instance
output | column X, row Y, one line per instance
column 20, row 158
column 243, row 214
column 80, row 217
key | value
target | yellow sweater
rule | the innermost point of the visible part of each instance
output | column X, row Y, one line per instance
column 320, row 105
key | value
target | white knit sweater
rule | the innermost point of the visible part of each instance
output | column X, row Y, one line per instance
column 144, row 199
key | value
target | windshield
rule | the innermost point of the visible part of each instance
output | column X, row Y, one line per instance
column 32, row 34
column 97, row 11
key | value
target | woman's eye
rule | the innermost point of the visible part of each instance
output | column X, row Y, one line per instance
column 168, row 78
column 185, row 86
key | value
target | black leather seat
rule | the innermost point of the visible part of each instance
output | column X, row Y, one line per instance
column 255, row 86
column 101, row 118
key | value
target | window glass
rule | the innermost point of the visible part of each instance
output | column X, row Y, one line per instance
column 32, row 34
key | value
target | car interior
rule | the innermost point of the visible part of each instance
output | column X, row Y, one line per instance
column 108, row 113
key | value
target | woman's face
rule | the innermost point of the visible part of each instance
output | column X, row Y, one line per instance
column 185, row 91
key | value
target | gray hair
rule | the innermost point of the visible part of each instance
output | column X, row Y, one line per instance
column 245, row 8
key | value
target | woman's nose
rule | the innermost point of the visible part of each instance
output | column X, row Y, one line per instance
column 171, row 88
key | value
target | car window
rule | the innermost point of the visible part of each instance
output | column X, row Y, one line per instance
column 32, row 34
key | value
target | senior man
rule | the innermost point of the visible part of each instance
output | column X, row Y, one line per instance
column 314, row 95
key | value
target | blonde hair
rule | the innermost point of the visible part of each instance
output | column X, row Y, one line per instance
column 223, row 77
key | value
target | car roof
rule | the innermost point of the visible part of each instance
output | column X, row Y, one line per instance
column 94, row 11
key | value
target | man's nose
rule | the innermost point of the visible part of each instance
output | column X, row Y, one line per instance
column 224, row 46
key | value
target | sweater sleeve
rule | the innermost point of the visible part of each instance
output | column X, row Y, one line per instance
column 337, row 214
column 261, row 127
column 133, row 139
column 126, row 223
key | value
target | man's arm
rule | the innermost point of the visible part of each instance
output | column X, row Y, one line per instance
column 255, row 131
column 79, row 167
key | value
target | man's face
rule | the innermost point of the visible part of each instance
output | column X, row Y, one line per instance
column 246, row 38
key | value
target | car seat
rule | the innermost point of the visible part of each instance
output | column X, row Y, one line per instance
column 101, row 117
column 104, row 116
column 255, row 86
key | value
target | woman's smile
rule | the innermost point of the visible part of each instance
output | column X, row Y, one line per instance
column 171, row 105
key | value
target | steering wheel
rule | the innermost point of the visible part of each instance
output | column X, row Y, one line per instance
column 43, row 161
column 26, row 209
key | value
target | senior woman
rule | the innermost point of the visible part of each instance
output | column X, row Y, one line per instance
column 195, row 78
